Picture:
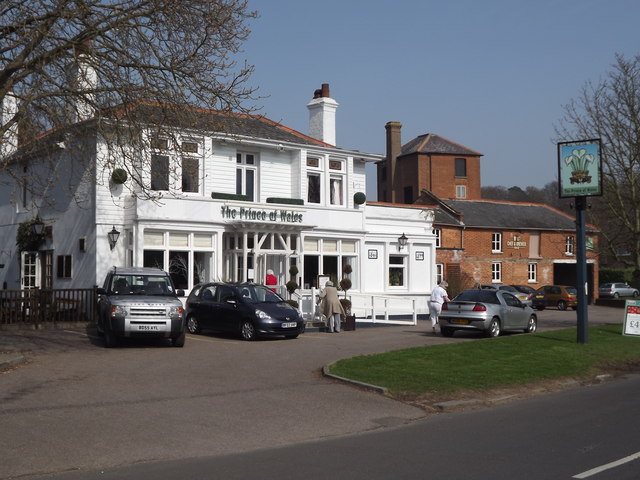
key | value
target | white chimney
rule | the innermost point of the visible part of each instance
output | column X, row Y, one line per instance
column 8, row 110
column 83, row 80
column 322, row 116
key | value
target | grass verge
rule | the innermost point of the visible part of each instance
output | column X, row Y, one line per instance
column 493, row 363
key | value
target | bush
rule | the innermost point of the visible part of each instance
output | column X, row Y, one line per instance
column 359, row 198
column 229, row 196
column 286, row 201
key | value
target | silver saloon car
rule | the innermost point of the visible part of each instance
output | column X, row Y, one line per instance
column 490, row 311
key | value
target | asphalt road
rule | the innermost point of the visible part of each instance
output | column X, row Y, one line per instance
column 79, row 407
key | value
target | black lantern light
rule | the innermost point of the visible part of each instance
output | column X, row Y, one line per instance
column 402, row 241
column 113, row 236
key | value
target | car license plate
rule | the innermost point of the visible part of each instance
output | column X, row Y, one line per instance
column 148, row 328
column 459, row 321
column 289, row 325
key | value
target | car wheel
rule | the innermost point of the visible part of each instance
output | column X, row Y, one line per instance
column 110, row 339
column 562, row 305
column 532, row 326
column 447, row 331
column 248, row 331
column 616, row 295
column 192, row 325
column 494, row 328
column 179, row 340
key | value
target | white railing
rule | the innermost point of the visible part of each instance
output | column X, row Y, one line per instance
column 367, row 308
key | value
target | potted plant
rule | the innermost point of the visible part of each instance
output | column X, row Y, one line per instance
column 345, row 285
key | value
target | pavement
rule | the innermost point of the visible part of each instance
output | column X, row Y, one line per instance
column 19, row 343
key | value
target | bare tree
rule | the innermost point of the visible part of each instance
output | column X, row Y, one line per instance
column 610, row 110
column 89, row 62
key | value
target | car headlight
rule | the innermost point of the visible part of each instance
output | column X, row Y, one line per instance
column 262, row 315
column 118, row 311
column 176, row 311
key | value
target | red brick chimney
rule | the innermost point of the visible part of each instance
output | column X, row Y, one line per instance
column 394, row 147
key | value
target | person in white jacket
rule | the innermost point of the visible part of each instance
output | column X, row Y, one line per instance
column 438, row 297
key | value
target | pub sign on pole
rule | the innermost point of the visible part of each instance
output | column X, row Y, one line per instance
column 579, row 168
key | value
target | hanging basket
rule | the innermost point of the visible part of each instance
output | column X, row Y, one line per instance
column 119, row 176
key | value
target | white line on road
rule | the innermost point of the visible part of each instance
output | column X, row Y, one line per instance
column 617, row 463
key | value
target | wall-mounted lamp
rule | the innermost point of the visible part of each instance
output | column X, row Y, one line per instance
column 113, row 236
column 38, row 226
column 402, row 241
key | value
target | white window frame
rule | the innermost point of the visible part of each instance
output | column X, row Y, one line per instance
column 569, row 245
column 496, row 272
column 163, row 147
column 196, row 155
column 532, row 272
column 496, row 242
column 243, row 167
column 439, row 272
column 461, row 191
column 398, row 266
column 438, row 233
column 315, row 171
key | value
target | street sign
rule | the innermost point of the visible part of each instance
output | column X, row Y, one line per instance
column 579, row 168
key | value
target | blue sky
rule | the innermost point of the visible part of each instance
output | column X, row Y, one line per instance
column 492, row 75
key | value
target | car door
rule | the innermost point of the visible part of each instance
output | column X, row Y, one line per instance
column 204, row 306
column 226, row 316
column 515, row 314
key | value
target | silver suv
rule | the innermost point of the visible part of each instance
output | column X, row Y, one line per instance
column 140, row 302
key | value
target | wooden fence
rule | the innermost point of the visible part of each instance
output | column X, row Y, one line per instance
column 38, row 306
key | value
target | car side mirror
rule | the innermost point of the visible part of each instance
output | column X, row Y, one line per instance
column 180, row 292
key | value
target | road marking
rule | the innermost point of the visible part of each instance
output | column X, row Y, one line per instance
column 83, row 334
column 617, row 463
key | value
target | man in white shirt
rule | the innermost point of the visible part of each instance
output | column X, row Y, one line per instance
column 438, row 297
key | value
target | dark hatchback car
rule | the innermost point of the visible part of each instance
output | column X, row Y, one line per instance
column 538, row 300
column 248, row 310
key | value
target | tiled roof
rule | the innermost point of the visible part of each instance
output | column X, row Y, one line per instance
column 511, row 215
column 227, row 123
column 430, row 143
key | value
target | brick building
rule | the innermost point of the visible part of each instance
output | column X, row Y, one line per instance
column 480, row 241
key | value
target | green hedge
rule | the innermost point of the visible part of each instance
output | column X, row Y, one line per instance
column 288, row 201
column 229, row 196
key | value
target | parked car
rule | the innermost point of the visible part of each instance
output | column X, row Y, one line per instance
column 140, row 302
column 488, row 310
column 617, row 290
column 560, row 296
column 537, row 299
column 246, row 309
column 522, row 296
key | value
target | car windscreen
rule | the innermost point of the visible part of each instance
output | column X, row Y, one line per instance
column 141, row 285
column 259, row 294
column 484, row 296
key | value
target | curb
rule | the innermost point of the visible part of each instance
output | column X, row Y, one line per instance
column 368, row 386
column 10, row 361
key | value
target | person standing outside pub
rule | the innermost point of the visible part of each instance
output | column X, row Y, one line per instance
column 331, row 307
column 438, row 296
column 271, row 279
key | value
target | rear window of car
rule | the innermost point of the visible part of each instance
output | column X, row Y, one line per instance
column 605, row 285
column 484, row 296
column 572, row 291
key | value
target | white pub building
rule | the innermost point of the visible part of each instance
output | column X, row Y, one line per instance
column 247, row 196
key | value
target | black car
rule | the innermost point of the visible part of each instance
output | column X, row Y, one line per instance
column 538, row 300
column 246, row 309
